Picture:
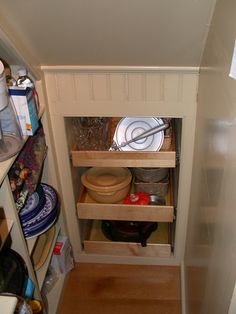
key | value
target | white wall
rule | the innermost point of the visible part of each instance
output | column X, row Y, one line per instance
column 211, row 241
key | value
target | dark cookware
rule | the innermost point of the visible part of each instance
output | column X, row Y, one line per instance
column 128, row 231
column 13, row 272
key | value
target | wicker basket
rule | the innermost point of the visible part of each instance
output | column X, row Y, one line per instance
column 158, row 188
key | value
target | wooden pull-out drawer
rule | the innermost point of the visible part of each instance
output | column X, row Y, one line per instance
column 158, row 244
column 164, row 159
column 89, row 209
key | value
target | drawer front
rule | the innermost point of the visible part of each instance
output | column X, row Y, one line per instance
column 158, row 244
column 127, row 249
column 125, row 212
column 164, row 159
column 87, row 208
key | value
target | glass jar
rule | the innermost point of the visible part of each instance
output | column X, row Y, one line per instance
column 91, row 133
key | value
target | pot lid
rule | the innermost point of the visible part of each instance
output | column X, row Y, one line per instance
column 130, row 127
column 106, row 178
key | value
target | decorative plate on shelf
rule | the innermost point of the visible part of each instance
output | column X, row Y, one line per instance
column 44, row 212
column 43, row 222
column 34, row 204
column 130, row 127
column 45, row 216
column 28, row 235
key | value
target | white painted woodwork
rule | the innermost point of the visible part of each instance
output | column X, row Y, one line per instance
column 111, row 91
column 73, row 92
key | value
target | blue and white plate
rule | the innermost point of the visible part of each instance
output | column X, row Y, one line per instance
column 46, row 210
column 33, row 204
column 43, row 222
column 42, row 226
column 29, row 235
column 46, row 217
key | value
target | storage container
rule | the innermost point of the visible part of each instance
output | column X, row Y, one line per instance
column 150, row 174
column 158, row 188
column 107, row 184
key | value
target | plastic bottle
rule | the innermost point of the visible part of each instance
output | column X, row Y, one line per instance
column 24, row 80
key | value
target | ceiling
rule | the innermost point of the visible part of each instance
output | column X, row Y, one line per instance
column 110, row 32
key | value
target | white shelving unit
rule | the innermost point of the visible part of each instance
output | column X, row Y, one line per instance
column 10, row 226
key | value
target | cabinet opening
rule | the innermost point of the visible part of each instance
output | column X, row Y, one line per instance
column 90, row 143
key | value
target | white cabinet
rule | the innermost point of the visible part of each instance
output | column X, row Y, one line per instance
column 114, row 92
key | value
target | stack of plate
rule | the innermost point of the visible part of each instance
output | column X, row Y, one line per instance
column 40, row 211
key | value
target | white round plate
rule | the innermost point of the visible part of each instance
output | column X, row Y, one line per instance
column 130, row 127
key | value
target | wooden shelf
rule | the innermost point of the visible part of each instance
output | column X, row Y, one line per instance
column 87, row 208
column 158, row 244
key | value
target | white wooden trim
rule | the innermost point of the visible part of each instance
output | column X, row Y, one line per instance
column 75, row 93
column 105, row 68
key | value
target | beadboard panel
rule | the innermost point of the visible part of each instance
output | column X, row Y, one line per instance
column 139, row 93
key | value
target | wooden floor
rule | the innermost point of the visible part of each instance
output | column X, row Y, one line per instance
column 122, row 289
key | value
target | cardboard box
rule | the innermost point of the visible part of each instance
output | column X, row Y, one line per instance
column 25, row 105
